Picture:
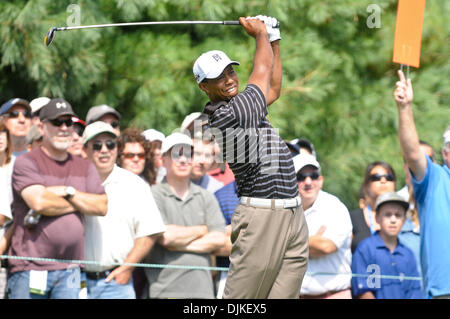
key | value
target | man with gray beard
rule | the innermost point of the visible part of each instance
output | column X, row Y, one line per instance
column 52, row 190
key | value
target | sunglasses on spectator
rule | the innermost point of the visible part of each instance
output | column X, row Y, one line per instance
column 377, row 177
column 187, row 152
column 97, row 145
column 58, row 122
column 301, row 177
column 15, row 114
column 141, row 156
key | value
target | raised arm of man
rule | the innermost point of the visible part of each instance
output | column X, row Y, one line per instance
column 276, row 80
column 274, row 39
column 407, row 133
column 263, row 60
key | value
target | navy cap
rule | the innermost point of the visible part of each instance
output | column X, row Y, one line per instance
column 15, row 101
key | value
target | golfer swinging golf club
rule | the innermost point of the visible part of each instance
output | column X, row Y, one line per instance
column 269, row 236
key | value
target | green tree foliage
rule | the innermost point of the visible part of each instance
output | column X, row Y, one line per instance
column 338, row 72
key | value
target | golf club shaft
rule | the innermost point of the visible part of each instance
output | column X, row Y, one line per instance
column 128, row 24
column 51, row 33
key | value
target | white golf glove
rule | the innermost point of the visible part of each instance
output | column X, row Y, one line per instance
column 272, row 31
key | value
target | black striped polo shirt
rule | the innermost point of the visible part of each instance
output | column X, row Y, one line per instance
column 259, row 158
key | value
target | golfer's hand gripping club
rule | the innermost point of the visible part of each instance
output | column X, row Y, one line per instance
column 272, row 26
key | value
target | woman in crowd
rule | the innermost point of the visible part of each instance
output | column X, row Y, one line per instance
column 6, row 197
column 379, row 178
column 134, row 154
column 155, row 138
column 6, row 166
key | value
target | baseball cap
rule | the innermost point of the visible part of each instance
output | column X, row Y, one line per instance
column 189, row 119
column 390, row 197
column 56, row 108
column 10, row 103
column 153, row 135
column 303, row 160
column 98, row 111
column 78, row 121
column 211, row 64
column 294, row 148
column 38, row 103
column 446, row 136
column 96, row 128
column 304, row 143
column 175, row 139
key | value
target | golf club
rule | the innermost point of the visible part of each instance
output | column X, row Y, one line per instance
column 51, row 33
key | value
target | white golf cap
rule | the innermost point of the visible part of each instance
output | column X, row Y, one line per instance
column 153, row 135
column 38, row 103
column 96, row 128
column 173, row 139
column 304, row 159
column 211, row 64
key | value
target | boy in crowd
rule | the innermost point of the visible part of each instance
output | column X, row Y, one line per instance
column 383, row 254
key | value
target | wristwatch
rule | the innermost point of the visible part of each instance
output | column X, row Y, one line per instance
column 70, row 191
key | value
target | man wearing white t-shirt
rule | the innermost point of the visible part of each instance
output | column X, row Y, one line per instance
column 330, row 233
column 130, row 228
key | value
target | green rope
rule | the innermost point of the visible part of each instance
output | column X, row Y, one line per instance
column 144, row 265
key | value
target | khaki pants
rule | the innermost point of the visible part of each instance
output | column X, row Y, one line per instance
column 269, row 255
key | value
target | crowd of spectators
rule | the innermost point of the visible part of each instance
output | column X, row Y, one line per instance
column 74, row 189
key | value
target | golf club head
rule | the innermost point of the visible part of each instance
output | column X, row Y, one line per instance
column 49, row 36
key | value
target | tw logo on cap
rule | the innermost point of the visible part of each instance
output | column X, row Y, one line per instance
column 216, row 57
column 60, row 105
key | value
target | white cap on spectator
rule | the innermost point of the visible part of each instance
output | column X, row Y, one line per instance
column 153, row 135
column 37, row 103
column 189, row 119
column 304, row 159
column 175, row 139
column 96, row 128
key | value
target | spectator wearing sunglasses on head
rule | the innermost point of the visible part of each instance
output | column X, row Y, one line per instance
column 17, row 116
column 104, row 113
column 53, row 192
column 129, row 230
column 330, row 231
column 379, row 178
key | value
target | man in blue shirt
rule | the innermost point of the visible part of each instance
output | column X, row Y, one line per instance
column 431, row 184
column 383, row 254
